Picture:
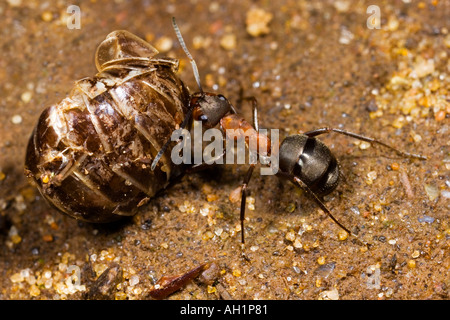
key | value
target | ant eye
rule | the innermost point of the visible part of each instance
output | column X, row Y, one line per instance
column 221, row 97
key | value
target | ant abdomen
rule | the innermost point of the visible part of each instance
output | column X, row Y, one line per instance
column 311, row 161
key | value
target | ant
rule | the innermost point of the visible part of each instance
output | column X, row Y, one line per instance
column 304, row 160
column 309, row 164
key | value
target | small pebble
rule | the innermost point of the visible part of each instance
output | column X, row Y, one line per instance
column 34, row 291
column 14, row 3
column 342, row 235
column 211, row 289
column 134, row 280
column 16, row 119
column 422, row 68
column 257, row 21
column 346, row 36
column 332, row 294
column 426, row 219
column 364, row 145
column 432, row 191
column 321, row 260
column 47, row 16
column 439, row 116
column 164, row 44
column 26, row 96
column 290, row 236
column 47, row 237
column 235, row 195
column 228, row 41
column 372, row 175
column 342, row 5
column 211, row 197
column 237, row 273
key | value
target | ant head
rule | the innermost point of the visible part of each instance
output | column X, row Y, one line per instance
column 210, row 108
column 207, row 107
column 311, row 161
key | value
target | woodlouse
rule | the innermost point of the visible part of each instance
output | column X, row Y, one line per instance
column 103, row 151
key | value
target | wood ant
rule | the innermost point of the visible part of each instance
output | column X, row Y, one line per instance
column 304, row 160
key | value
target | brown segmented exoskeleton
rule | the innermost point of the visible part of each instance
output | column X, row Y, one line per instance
column 105, row 149
column 90, row 154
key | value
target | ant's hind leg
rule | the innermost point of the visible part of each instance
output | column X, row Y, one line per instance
column 316, row 132
column 299, row 183
column 244, row 198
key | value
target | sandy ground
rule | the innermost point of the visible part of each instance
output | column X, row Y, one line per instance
column 310, row 65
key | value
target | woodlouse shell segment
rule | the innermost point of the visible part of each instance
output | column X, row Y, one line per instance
column 90, row 154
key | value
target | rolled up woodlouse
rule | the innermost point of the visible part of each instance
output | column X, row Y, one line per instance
column 90, row 154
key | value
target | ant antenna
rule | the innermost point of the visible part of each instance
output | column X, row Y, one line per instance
column 197, row 79
column 183, row 45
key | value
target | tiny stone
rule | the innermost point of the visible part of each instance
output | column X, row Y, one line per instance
column 164, row 245
column 342, row 5
column 346, row 36
column 364, row 145
column 34, row 291
column 17, row 277
column 47, row 16
column 257, row 21
column 16, row 119
column 15, row 3
column 26, row 96
column 228, row 41
column 342, row 235
column 332, row 294
column 372, row 175
column 290, row 236
column 426, row 219
column 321, row 260
column 211, row 289
column 432, row 191
column 134, row 280
column 297, row 243
column 164, row 44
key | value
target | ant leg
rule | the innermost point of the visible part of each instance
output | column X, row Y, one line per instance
column 299, row 183
column 252, row 166
column 320, row 131
column 255, row 112
column 192, row 169
column 204, row 165
column 244, row 198
column 166, row 145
